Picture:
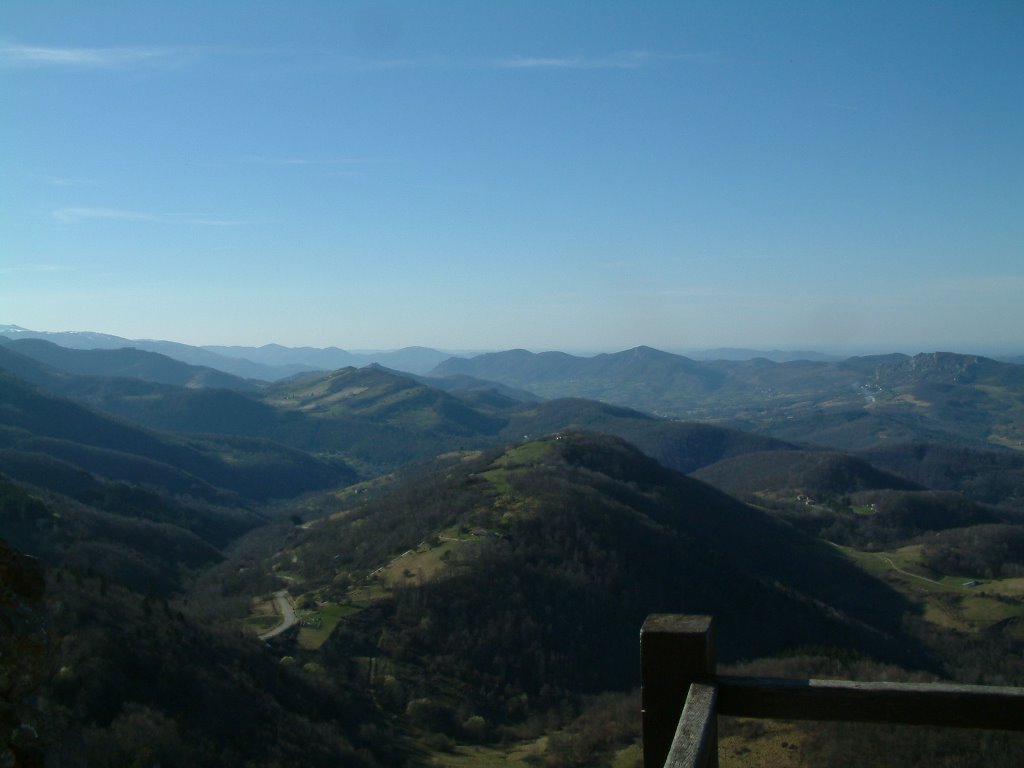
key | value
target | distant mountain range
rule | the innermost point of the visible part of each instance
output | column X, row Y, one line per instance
column 376, row 419
column 740, row 354
column 127, row 362
column 373, row 416
column 855, row 404
column 849, row 404
column 270, row 362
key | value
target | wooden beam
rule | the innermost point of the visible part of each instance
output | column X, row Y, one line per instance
column 937, row 704
column 675, row 651
column 696, row 741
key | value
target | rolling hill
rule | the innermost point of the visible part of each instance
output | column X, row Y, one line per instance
column 414, row 360
column 380, row 419
column 846, row 500
column 856, row 403
column 526, row 571
column 90, row 492
column 147, row 546
column 819, row 474
column 31, row 421
column 270, row 362
column 127, row 363
column 990, row 477
column 84, row 340
column 679, row 445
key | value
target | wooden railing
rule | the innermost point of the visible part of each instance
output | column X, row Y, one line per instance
column 683, row 695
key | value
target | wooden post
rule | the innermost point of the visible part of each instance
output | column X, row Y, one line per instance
column 675, row 651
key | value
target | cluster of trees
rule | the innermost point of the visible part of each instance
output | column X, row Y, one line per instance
column 887, row 518
column 148, row 556
column 985, row 551
column 131, row 679
column 986, row 476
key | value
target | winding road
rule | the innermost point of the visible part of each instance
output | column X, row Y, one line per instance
column 908, row 573
column 288, row 618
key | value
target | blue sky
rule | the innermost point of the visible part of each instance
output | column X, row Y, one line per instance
column 486, row 175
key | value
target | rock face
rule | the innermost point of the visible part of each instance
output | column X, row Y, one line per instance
column 23, row 655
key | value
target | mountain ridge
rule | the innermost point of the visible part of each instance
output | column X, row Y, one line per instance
column 127, row 362
column 269, row 362
column 569, row 540
column 966, row 398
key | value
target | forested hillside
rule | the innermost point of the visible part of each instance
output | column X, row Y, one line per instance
column 469, row 565
column 856, row 403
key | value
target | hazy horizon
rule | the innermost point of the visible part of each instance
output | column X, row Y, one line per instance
column 486, row 176
column 839, row 352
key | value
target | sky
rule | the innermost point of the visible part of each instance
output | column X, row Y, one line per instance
column 489, row 175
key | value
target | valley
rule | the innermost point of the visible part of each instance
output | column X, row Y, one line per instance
column 371, row 372
column 451, row 570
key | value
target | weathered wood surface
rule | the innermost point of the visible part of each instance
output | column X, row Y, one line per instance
column 938, row 704
column 677, row 655
column 675, row 651
column 696, row 741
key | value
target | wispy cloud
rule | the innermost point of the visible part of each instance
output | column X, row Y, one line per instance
column 33, row 269
column 635, row 59
column 379, row 64
column 618, row 60
column 77, row 215
column 204, row 221
column 332, row 167
column 296, row 162
column 72, row 215
column 14, row 54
